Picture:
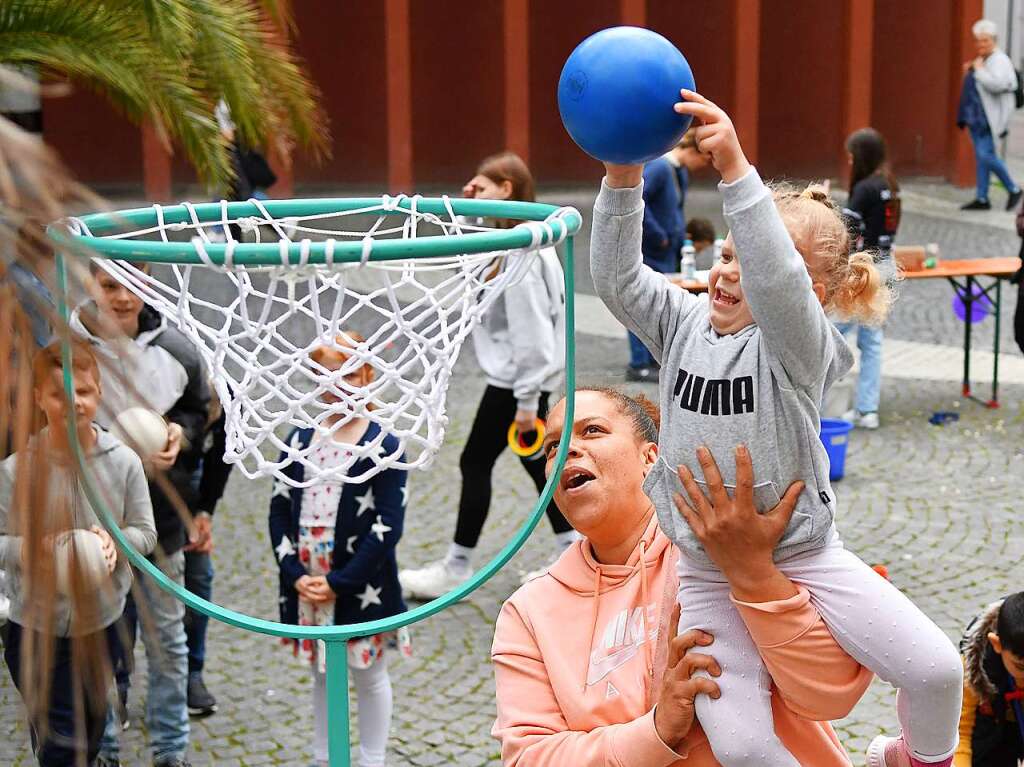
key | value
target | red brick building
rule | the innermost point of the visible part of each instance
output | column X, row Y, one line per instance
column 417, row 91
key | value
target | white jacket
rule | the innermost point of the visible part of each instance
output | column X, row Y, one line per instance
column 135, row 372
column 996, row 81
column 520, row 341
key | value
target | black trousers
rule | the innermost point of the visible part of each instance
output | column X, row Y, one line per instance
column 62, row 741
column 487, row 439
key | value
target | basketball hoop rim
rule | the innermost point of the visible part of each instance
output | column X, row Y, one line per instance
column 556, row 224
column 335, row 633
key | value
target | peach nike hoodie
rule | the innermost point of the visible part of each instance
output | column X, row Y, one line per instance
column 577, row 674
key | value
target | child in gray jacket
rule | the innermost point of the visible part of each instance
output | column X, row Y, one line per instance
column 750, row 366
column 69, row 625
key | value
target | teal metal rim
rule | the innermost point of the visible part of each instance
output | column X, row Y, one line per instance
column 547, row 225
column 329, row 634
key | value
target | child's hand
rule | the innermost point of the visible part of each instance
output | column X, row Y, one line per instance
column 165, row 459
column 716, row 135
column 320, row 589
column 109, row 549
column 302, row 586
column 623, row 176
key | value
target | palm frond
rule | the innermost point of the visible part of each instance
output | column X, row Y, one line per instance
column 170, row 61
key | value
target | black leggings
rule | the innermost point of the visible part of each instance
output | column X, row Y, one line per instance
column 487, row 439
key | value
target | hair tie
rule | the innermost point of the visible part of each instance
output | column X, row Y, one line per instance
column 815, row 193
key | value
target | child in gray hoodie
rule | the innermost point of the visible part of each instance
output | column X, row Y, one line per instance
column 750, row 366
column 69, row 625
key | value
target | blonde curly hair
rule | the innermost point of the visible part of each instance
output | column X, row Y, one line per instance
column 855, row 289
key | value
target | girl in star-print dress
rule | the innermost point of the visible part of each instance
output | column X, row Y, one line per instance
column 335, row 547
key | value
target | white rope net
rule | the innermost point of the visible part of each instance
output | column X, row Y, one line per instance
column 257, row 327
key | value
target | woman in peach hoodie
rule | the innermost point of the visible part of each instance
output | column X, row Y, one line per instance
column 588, row 666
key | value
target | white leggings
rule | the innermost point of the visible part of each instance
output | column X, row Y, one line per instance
column 871, row 620
column 373, row 702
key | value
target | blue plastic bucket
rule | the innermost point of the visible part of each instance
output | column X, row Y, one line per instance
column 834, row 436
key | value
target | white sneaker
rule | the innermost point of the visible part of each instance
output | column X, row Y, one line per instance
column 431, row 581
column 868, row 421
column 862, row 420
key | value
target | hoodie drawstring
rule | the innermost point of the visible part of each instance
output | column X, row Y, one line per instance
column 643, row 596
column 595, row 601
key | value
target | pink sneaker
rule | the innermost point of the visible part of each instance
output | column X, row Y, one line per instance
column 893, row 752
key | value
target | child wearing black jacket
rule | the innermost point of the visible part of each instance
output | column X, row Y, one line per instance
column 335, row 547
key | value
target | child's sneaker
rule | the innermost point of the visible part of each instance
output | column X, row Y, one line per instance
column 432, row 581
column 892, row 752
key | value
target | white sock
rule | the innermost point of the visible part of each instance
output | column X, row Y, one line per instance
column 459, row 558
column 319, row 716
column 566, row 539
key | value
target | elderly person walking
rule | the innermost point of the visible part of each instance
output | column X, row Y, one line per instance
column 986, row 103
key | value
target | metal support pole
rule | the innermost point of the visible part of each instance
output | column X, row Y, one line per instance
column 337, row 703
column 994, row 402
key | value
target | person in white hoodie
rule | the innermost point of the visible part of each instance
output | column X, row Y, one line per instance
column 147, row 363
column 519, row 344
column 994, row 80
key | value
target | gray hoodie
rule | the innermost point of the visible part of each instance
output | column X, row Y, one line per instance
column 996, row 81
column 118, row 473
column 761, row 386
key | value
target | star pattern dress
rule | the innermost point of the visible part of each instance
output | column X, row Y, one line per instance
column 318, row 534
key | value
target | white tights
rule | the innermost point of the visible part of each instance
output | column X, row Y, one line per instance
column 870, row 618
column 373, row 704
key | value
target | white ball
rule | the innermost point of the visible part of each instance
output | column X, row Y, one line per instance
column 142, row 429
column 78, row 556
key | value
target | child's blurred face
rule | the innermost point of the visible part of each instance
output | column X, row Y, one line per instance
column 1013, row 663
column 730, row 312
column 118, row 303
column 51, row 399
column 359, row 377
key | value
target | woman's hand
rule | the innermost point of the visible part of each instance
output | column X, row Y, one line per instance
column 716, row 135
column 623, row 176
column 738, row 539
column 674, row 712
column 109, row 549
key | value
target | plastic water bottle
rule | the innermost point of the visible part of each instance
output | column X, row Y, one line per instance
column 689, row 264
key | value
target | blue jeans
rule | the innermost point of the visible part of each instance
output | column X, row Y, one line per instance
column 68, row 728
column 639, row 356
column 163, row 635
column 987, row 162
column 869, row 382
column 198, row 580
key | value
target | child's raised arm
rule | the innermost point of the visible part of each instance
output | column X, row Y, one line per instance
column 775, row 281
column 640, row 298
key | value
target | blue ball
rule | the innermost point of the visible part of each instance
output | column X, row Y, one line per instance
column 617, row 91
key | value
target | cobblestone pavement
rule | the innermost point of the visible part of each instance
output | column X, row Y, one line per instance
column 937, row 504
